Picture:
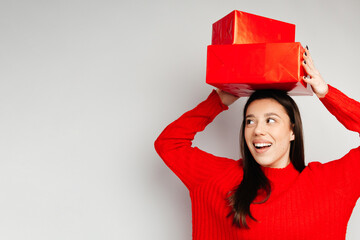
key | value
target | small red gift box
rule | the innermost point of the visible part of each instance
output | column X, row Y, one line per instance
column 242, row 68
column 242, row 28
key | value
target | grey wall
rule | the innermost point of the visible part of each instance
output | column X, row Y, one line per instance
column 86, row 87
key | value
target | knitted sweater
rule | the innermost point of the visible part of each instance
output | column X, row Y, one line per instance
column 314, row 204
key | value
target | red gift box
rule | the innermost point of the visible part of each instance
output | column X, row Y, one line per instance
column 242, row 68
column 241, row 28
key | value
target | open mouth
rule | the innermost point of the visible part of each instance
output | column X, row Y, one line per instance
column 262, row 145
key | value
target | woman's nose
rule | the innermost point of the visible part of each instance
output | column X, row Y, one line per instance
column 259, row 129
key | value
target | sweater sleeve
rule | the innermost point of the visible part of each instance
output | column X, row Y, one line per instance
column 174, row 145
column 343, row 175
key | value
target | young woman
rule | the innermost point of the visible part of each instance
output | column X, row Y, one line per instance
column 269, row 193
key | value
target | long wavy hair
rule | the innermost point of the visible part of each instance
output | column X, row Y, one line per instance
column 254, row 179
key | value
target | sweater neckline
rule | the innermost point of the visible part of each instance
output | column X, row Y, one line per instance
column 280, row 174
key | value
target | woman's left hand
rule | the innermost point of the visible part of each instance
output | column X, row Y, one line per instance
column 318, row 85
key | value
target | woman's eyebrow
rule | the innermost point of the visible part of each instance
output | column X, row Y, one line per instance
column 266, row 115
column 271, row 114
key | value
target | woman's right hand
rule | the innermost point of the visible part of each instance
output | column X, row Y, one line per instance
column 226, row 98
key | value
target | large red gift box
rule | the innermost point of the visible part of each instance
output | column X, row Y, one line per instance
column 251, row 52
column 241, row 28
column 242, row 68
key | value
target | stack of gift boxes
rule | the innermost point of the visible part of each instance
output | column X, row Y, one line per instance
column 251, row 52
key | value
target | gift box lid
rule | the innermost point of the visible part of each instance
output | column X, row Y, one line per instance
column 241, row 28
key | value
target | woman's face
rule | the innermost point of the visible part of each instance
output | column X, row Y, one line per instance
column 268, row 133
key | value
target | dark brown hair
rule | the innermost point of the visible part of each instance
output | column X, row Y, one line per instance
column 254, row 179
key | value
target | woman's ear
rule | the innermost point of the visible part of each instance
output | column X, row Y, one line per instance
column 292, row 135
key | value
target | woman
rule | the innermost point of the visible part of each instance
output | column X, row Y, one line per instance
column 270, row 193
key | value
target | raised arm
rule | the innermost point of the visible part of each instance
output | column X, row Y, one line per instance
column 343, row 175
column 345, row 109
column 174, row 145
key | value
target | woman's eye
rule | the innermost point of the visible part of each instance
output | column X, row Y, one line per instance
column 270, row 120
column 249, row 121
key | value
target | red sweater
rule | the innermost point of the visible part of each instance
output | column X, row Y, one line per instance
column 314, row 204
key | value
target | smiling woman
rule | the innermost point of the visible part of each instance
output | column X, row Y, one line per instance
column 268, row 133
column 271, row 136
column 269, row 193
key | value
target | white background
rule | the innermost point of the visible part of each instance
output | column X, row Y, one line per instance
column 87, row 86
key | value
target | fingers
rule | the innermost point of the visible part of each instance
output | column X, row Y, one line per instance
column 307, row 58
column 308, row 80
column 314, row 78
column 308, row 69
column 307, row 55
column 308, row 64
